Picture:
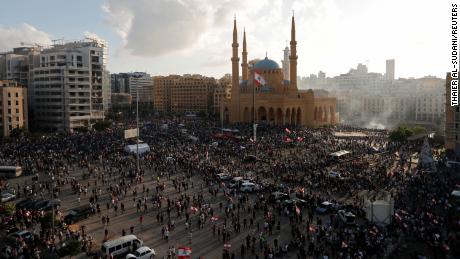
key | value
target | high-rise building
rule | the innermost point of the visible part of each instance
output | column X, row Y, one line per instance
column 452, row 127
column 285, row 63
column 120, row 83
column 429, row 106
column 187, row 93
column 141, row 83
column 71, row 86
column 13, row 107
column 222, row 92
column 390, row 69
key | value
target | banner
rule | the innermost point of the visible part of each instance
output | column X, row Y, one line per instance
column 130, row 133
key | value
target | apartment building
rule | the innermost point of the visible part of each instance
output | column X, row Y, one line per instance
column 71, row 87
column 181, row 94
column 452, row 126
column 13, row 107
column 221, row 91
column 141, row 83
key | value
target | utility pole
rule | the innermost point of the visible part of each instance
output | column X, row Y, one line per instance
column 137, row 125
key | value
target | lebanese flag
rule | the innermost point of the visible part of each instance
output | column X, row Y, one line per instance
column 288, row 131
column 299, row 139
column 194, row 209
column 287, row 140
column 184, row 253
column 259, row 80
column 214, row 218
column 297, row 210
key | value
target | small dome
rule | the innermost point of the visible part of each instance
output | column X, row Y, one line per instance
column 266, row 64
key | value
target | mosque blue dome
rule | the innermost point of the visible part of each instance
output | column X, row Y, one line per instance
column 266, row 64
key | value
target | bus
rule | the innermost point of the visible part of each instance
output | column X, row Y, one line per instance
column 10, row 171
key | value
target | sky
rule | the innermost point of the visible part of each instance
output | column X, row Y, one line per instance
column 164, row 37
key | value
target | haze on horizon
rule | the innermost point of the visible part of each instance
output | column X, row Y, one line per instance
column 194, row 36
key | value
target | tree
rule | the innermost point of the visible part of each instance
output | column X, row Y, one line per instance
column 419, row 130
column 401, row 134
column 8, row 208
column 71, row 248
column 46, row 221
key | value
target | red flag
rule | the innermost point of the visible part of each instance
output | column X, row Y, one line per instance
column 214, row 218
column 297, row 210
column 299, row 139
column 288, row 131
column 194, row 209
column 184, row 253
column 287, row 140
column 227, row 246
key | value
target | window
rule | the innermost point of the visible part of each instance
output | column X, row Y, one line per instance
column 17, row 103
column 118, row 247
column 17, row 95
column 9, row 103
column 112, row 249
column 9, row 94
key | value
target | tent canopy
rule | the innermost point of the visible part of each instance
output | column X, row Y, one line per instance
column 143, row 148
column 340, row 153
column 456, row 193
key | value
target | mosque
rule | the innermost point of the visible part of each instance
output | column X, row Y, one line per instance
column 274, row 91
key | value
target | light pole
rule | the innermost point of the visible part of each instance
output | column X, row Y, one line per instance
column 137, row 126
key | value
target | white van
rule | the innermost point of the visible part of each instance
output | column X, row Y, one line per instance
column 121, row 245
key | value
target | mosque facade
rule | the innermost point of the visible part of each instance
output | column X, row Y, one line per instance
column 274, row 91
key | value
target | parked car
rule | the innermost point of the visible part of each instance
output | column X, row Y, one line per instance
column 224, row 177
column 248, row 186
column 78, row 214
column 347, row 217
column 277, row 197
column 235, row 182
column 47, row 205
column 143, row 252
column 28, row 203
column 26, row 235
column 334, row 174
column 326, row 207
column 290, row 203
column 7, row 197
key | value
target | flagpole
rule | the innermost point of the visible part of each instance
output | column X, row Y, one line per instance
column 254, row 126
column 254, row 111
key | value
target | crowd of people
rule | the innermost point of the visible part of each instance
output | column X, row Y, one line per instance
column 177, row 185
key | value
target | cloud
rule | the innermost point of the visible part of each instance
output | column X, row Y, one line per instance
column 332, row 35
column 153, row 28
column 160, row 27
column 12, row 36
